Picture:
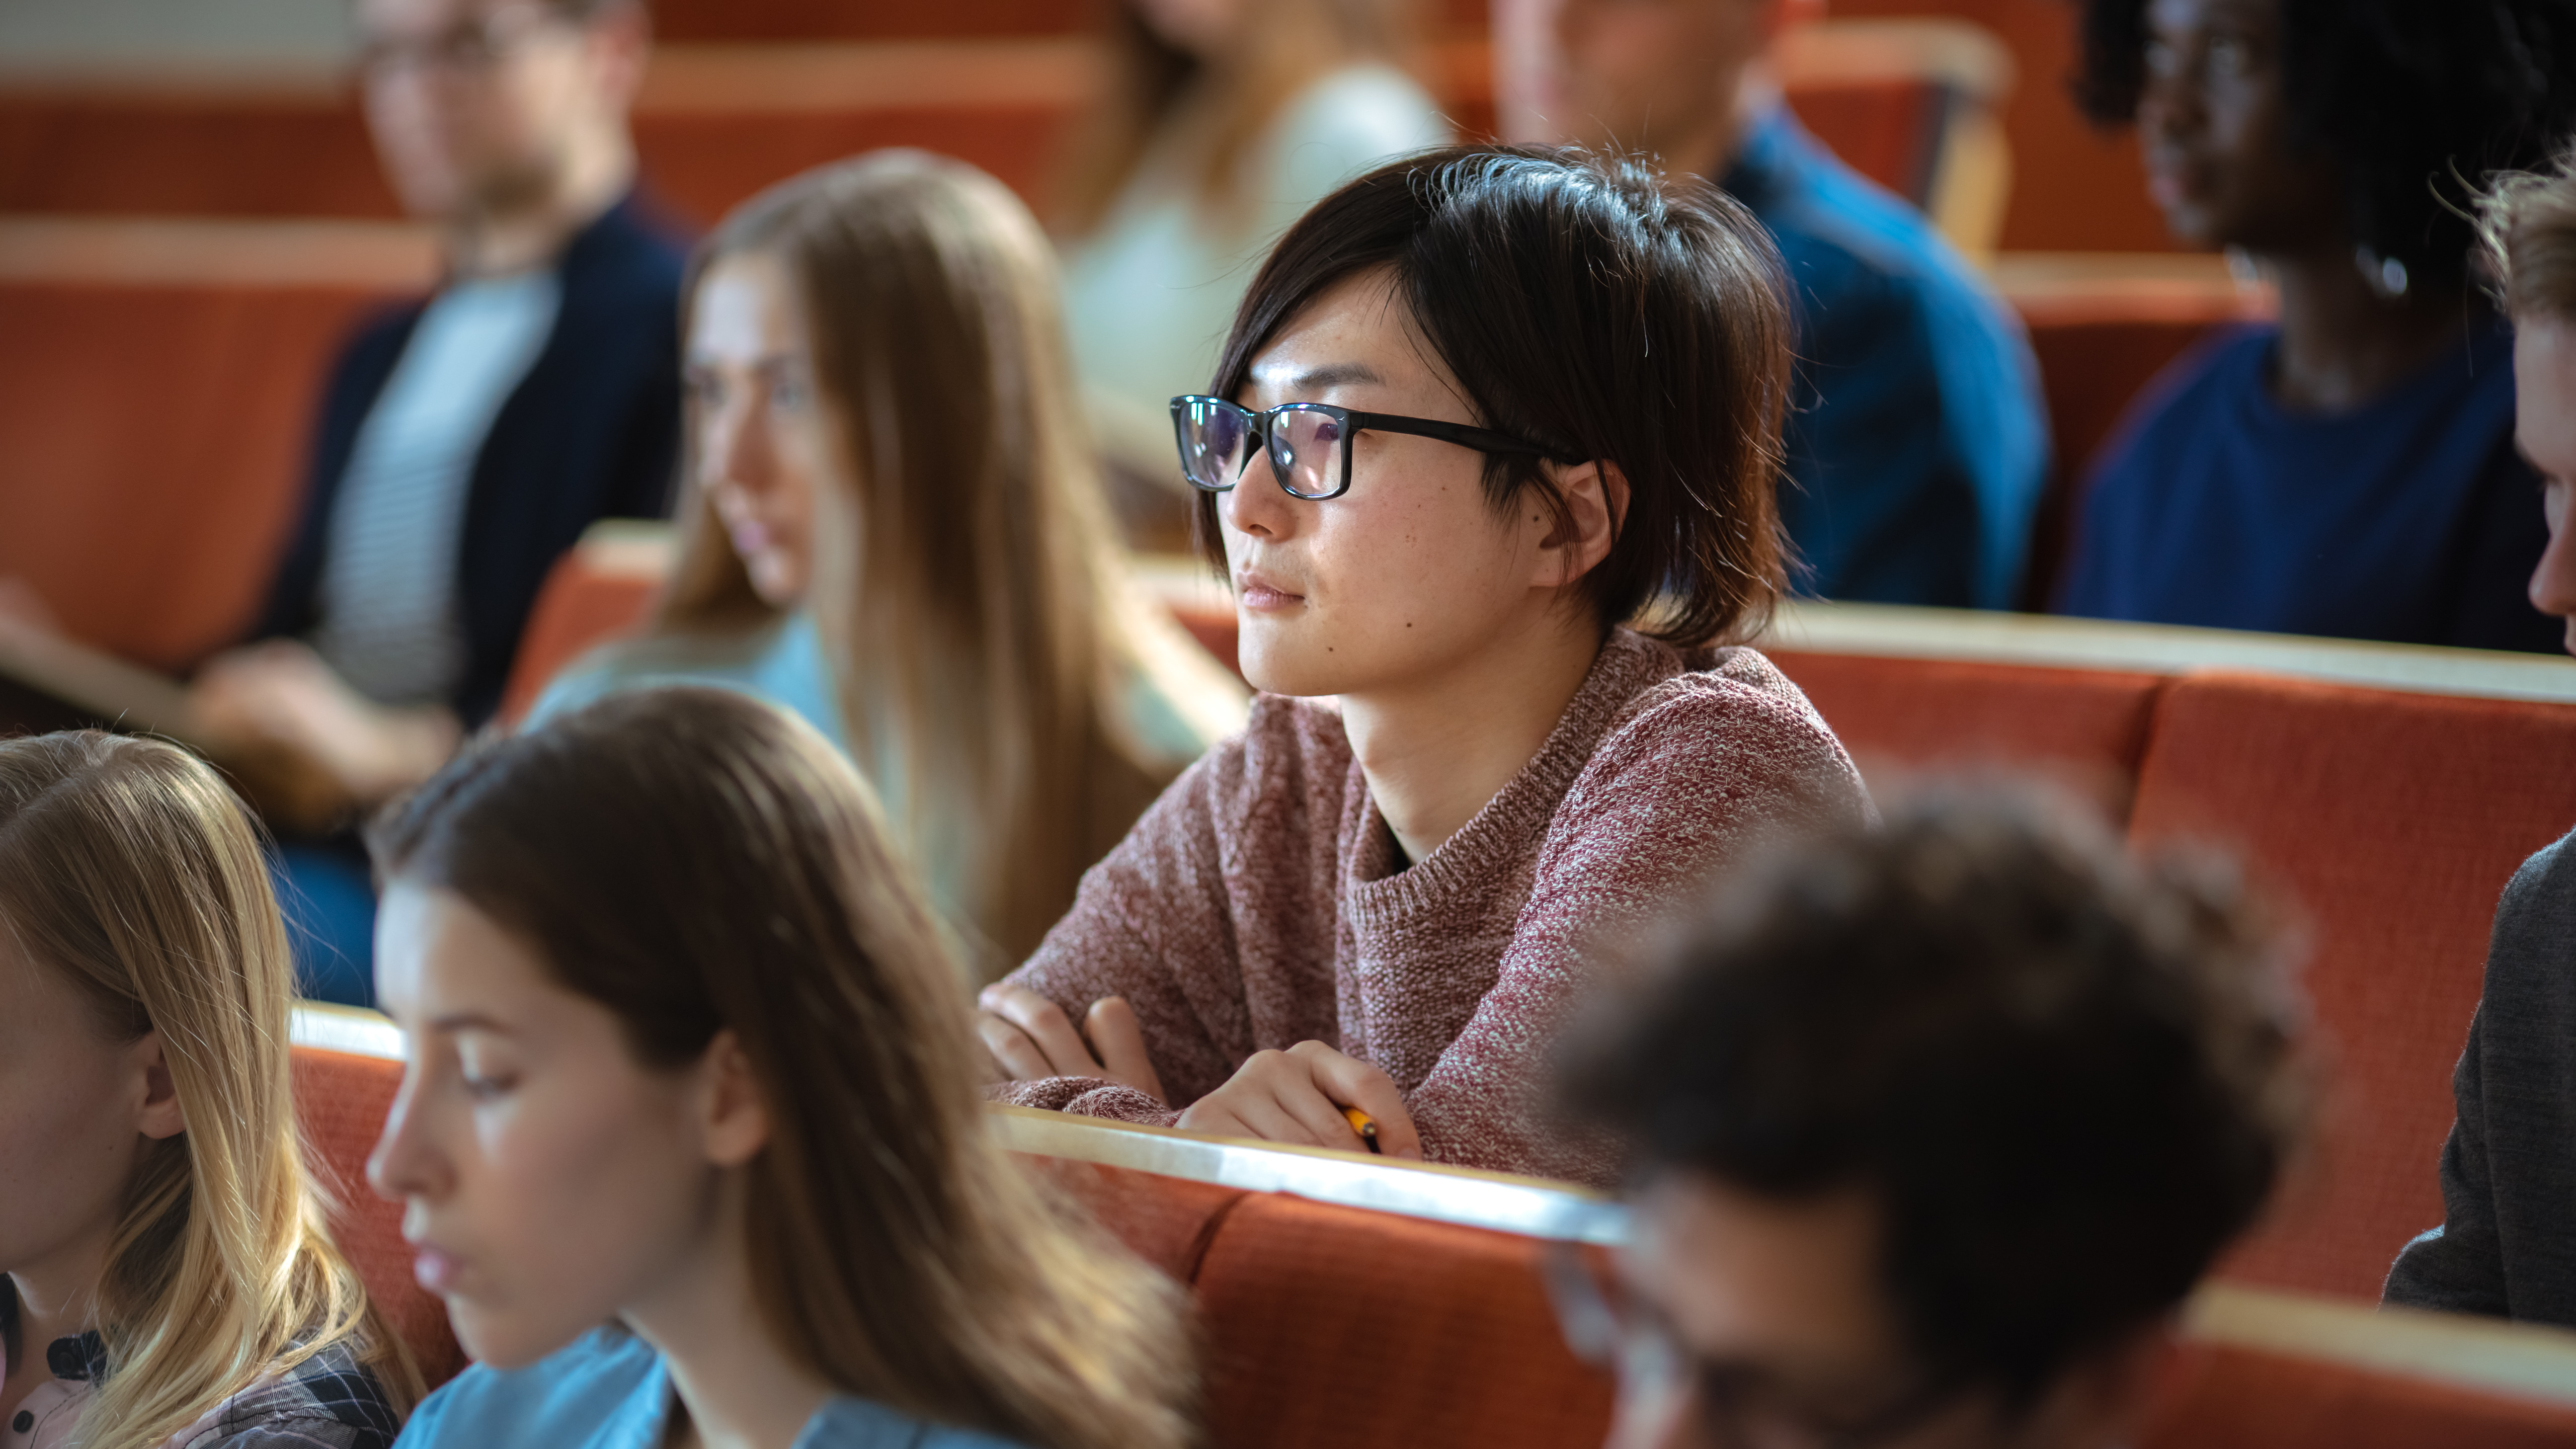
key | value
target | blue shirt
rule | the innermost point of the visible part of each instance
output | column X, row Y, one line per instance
column 611, row 1390
column 781, row 662
column 1917, row 437
column 2410, row 519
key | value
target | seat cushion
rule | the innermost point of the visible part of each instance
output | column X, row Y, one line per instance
column 341, row 1101
column 1334, row 1325
column 2082, row 730
column 2239, row 1398
column 2391, row 822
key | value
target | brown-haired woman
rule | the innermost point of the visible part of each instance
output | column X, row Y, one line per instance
column 1522, row 415
column 895, row 528
column 1221, row 122
column 688, row 1058
column 168, row 1274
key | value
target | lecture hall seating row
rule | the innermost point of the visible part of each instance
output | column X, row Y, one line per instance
column 2385, row 794
column 1356, row 1303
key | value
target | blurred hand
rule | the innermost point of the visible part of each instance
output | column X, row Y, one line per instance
column 278, row 706
column 1297, row 1096
column 1028, row 1037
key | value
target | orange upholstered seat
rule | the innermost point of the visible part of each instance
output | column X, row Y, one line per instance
column 1335, row 1325
column 340, row 1101
column 2084, row 729
column 1167, row 1221
column 2393, row 821
column 597, row 592
column 2239, row 1398
column 152, row 449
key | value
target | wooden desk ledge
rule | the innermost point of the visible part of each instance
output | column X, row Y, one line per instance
column 1975, row 635
column 2479, row 1355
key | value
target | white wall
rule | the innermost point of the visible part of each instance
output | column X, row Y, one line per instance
column 90, row 34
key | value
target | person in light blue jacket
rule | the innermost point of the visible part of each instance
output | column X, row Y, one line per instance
column 689, row 1139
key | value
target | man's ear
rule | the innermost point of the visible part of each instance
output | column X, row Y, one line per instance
column 732, row 1115
column 157, row 1115
column 1596, row 506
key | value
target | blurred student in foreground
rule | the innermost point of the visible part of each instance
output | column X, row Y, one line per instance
column 2349, row 470
column 1222, row 121
column 894, row 526
column 1918, row 443
column 169, row 1278
column 1490, row 461
column 1933, row 1129
column 464, row 442
column 688, row 1136
column 2507, row 1245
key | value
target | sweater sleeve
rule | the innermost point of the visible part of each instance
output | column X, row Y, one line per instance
column 2509, row 1166
column 1670, row 800
column 2457, row 1267
column 1150, row 923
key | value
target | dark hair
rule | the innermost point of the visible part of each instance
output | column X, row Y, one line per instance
column 2066, row 1077
column 697, row 861
column 1601, row 311
column 2417, row 101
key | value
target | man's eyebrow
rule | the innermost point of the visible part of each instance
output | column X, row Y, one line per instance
column 468, row 1021
column 1333, row 374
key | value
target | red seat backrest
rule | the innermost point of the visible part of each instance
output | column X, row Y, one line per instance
column 2393, row 821
column 2084, row 729
column 2242, row 1398
column 1334, row 1325
column 152, row 450
column 1167, row 1221
column 581, row 606
column 341, row 1100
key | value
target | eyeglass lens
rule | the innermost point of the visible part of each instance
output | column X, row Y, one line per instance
column 1305, row 447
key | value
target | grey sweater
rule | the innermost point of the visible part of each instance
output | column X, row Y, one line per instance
column 2507, row 1244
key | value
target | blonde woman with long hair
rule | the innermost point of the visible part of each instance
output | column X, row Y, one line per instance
column 895, row 528
column 1220, row 123
column 688, row 1059
column 169, row 1278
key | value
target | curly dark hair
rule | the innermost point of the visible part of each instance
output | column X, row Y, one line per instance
column 2067, row 1077
column 2418, row 101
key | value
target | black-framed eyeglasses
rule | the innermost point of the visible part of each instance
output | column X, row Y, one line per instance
column 1738, row 1405
column 1309, row 443
column 469, row 47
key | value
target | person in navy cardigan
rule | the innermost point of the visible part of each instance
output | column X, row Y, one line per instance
column 1917, row 437
column 466, row 440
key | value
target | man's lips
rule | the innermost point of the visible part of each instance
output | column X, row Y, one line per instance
column 1252, row 591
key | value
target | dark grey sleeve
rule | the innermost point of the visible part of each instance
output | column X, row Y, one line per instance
column 2457, row 1267
column 2507, row 1244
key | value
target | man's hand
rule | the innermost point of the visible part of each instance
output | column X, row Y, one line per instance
column 1298, row 1096
column 279, row 702
column 1029, row 1037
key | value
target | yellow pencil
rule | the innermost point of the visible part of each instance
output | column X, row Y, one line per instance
column 1363, row 1124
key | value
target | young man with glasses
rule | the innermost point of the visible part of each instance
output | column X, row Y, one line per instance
column 1489, row 461
column 1932, row 1129
column 464, row 442
column 1918, row 440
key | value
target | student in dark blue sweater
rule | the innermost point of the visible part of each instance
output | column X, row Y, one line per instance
column 2351, row 470
column 1917, row 441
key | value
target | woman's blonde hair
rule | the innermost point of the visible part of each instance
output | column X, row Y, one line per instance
column 968, row 587
column 696, row 861
column 2527, row 221
column 1205, row 115
column 126, row 865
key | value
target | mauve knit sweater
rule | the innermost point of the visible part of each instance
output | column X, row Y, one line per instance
column 1257, row 904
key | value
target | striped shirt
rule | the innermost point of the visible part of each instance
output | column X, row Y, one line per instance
column 389, row 622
